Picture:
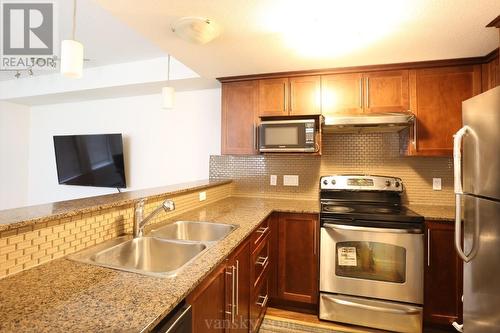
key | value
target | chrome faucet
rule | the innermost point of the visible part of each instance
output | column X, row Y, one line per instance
column 140, row 221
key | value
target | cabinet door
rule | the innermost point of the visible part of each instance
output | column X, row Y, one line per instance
column 436, row 97
column 239, row 117
column 298, row 258
column 207, row 302
column 241, row 263
column 273, row 97
column 386, row 91
column 305, row 92
column 341, row 93
column 490, row 74
column 442, row 277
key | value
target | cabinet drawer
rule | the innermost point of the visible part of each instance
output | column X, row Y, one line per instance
column 258, row 303
column 260, row 260
column 259, row 234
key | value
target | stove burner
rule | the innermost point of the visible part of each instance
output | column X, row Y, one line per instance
column 339, row 209
column 383, row 210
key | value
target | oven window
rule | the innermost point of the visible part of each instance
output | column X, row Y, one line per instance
column 280, row 136
column 371, row 261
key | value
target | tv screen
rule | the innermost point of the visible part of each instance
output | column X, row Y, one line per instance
column 90, row 160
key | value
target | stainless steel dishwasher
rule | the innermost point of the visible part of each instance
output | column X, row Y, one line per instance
column 177, row 321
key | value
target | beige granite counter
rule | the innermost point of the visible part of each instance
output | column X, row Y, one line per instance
column 66, row 296
column 24, row 216
column 434, row 212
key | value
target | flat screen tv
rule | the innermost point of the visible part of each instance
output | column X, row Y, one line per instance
column 90, row 160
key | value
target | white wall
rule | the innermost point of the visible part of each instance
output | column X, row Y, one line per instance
column 14, row 143
column 161, row 146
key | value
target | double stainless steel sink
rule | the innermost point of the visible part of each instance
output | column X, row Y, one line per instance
column 161, row 253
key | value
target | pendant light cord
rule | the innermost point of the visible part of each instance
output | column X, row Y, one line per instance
column 168, row 70
column 74, row 19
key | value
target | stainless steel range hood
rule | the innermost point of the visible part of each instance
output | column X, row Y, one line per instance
column 368, row 123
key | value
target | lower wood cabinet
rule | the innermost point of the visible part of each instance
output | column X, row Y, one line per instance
column 443, row 276
column 298, row 257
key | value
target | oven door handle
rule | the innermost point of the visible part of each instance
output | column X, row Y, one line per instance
column 343, row 227
column 406, row 311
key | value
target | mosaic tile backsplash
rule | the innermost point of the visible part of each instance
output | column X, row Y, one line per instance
column 373, row 153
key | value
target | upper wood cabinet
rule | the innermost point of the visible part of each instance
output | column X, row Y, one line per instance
column 273, row 97
column 436, row 97
column 341, row 93
column 294, row 96
column 371, row 92
column 240, row 117
column 490, row 73
column 386, row 91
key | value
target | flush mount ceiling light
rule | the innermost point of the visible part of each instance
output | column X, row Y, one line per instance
column 72, row 53
column 168, row 92
column 196, row 30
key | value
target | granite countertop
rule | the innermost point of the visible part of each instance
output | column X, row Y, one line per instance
column 19, row 217
column 67, row 296
column 434, row 212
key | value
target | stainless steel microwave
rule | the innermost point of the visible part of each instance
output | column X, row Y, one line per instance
column 298, row 135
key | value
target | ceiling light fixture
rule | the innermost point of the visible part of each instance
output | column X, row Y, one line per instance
column 72, row 53
column 197, row 30
column 168, row 92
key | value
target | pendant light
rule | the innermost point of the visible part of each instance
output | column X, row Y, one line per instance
column 72, row 53
column 168, row 92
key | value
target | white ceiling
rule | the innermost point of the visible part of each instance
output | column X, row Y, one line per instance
column 262, row 36
column 107, row 40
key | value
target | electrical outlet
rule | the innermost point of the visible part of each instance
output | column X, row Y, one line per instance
column 203, row 196
column 274, row 180
column 291, row 180
column 436, row 184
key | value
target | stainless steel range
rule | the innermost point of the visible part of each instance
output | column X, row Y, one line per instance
column 371, row 260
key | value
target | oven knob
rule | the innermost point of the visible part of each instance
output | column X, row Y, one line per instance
column 325, row 182
column 333, row 182
column 396, row 184
column 387, row 183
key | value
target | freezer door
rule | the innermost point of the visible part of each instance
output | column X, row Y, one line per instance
column 481, row 146
column 482, row 273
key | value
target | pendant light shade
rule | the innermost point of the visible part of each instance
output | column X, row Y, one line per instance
column 72, row 53
column 168, row 92
column 71, row 58
column 168, row 97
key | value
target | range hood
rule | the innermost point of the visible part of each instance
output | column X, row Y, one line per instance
column 368, row 122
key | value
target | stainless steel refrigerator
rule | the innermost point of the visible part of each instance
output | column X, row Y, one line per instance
column 477, row 188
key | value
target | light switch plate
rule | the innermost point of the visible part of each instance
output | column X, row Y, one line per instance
column 436, row 184
column 291, row 180
column 274, row 180
column 203, row 196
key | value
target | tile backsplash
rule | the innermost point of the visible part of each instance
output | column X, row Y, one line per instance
column 373, row 153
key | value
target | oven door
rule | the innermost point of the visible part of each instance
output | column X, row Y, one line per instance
column 372, row 262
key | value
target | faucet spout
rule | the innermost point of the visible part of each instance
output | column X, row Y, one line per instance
column 140, row 221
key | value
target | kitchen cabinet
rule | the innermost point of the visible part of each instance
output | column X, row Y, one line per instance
column 239, row 117
column 298, row 257
column 436, row 96
column 370, row 92
column 260, row 264
column 221, row 301
column 290, row 96
column 490, row 73
column 443, row 276
column 208, row 303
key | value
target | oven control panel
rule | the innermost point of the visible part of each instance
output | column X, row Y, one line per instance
column 361, row 182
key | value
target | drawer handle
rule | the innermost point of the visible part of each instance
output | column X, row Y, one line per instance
column 262, row 261
column 262, row 230
column 262, row 303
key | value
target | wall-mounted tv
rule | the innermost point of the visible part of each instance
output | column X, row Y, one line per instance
column 90, row 160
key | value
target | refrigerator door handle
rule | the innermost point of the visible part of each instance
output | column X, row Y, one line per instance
column 457, row 167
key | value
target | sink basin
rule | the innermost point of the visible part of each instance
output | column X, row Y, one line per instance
column 193, row 231
column 145, row 255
